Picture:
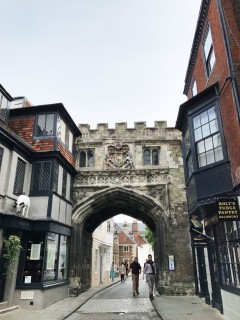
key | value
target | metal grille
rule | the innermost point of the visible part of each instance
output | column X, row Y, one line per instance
column 236, row 6
column 19, row 178
column 41, row 176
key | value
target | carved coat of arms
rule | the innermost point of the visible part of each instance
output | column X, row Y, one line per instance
column 118, row 156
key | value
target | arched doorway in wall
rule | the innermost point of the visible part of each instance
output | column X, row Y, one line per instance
column 90, row 212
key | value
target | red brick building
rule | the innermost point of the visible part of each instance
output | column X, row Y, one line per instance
column 210, row 125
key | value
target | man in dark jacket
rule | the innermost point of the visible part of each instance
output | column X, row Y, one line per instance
column 135, row 269
column 150, row 271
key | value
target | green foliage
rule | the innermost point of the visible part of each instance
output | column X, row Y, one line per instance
column 149, row 236
column 11, row 249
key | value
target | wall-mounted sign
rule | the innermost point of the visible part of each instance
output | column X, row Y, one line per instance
column 171, row 263
column 35, row 251
column 228, row 209
column 200, row 241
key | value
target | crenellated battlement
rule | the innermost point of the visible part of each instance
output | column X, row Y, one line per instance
column 139, row 131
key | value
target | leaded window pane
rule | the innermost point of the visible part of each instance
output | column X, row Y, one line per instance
column 46, row 174
column 155, row 160
column 90, row 159
column 41, row 176
column 147, row 157
column 19, row 178
column 45, row 124
column 82, row 159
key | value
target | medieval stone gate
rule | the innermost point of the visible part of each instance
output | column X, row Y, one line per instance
column 135, row 171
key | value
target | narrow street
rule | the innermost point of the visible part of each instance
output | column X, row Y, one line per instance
column 117, row 302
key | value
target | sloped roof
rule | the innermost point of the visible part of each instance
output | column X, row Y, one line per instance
column 141, row 226
column 123, row 238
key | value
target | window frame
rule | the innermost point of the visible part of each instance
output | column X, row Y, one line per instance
column 148, row 156
column 201, row 142
column 35, row 266
column 41, row 175
column 19, row 177
column 125, row 248
column 37, row 127
column 194, row 88
column 87, row 158
column 208, row 51
column 64, row 183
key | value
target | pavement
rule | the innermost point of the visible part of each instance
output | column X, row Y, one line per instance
column 167, row 307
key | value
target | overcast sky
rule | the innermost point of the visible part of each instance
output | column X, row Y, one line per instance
column 105, row 60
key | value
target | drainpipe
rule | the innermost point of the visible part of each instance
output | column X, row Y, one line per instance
column 229, row 59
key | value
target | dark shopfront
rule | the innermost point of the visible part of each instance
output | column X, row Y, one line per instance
column 216, row 250
column 43, row 260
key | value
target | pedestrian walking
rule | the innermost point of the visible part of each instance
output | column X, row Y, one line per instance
column 150, row 271
column 122, row 271
column 126, row 266
column 135, row 269
column 113, row 271
column 144, row 267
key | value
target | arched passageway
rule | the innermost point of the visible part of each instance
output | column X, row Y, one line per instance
column 90, row 212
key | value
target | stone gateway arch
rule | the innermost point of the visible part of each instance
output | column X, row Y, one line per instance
column 137, row 172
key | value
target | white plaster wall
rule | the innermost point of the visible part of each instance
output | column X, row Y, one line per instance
column 60, row 180
column 143, row 251
column 102, row 241
column 40, row 299
column 38, row 207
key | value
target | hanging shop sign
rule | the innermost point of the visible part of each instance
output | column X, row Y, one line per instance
column 200, row 241
column 228, row 209
column 210, row 221
column 199, row 238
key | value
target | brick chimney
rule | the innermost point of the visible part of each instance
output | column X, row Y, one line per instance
column 135, row 230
